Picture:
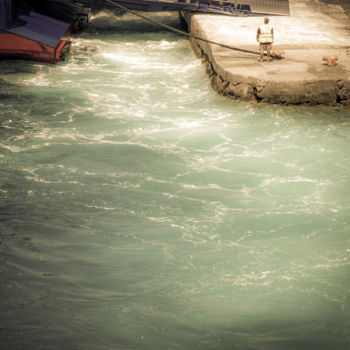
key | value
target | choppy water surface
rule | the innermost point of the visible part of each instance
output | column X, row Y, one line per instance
column 141, row 210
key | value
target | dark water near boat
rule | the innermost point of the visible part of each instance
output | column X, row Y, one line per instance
column 141, row 210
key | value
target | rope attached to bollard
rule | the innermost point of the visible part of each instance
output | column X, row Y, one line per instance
column 112, row 2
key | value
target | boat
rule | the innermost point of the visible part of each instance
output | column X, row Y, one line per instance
column 39, row 29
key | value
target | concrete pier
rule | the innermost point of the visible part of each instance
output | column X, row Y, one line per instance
column 315, row 28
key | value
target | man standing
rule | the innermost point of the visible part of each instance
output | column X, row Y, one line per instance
column 264, row 36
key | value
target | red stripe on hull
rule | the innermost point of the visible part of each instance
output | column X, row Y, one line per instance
column 15, row 46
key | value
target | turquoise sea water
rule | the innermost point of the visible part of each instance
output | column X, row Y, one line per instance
column 141, row 210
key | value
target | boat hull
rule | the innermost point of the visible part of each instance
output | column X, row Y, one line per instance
column 39, row 32
column 18, row 47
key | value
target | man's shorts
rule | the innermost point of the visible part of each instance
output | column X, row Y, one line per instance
column 266, row 47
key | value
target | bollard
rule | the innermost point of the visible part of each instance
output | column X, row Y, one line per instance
column 331, row 60
column 277, row 53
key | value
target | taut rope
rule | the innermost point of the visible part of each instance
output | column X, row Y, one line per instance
column 115, row 3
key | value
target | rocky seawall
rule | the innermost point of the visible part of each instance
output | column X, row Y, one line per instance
column 301, row 77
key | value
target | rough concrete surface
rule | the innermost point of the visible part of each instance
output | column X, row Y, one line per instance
column 314, row 28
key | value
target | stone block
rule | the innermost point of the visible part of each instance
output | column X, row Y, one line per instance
column 244, row 91
column 340, row 84
column 344, row 92
column 209, row 69
column 345, row 103
column 196, row 48
column 229, row 90
column 342, row 95
column 315, row 92
column 218, row 84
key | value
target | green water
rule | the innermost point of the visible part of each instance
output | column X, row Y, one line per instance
column 141, row 210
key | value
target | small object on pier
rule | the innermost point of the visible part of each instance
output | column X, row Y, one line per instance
column 277, row 53
column 331, row 60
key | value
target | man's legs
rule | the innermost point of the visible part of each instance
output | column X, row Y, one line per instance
column 261, row 53
column 268, row 52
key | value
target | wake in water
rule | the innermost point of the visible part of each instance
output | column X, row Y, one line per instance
column 117, row 21
column 140, row 210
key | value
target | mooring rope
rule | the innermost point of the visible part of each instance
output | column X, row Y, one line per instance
column 115, row 3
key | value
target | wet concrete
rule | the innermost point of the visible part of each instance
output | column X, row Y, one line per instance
column 315, row 28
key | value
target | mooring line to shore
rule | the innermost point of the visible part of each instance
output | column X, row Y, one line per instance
column 115, row 3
